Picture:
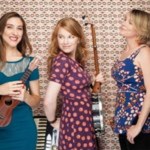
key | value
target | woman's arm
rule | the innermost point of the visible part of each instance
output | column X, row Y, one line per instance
column 18, row 91
column 50, row 100
column 33, row 99
column 144, row 62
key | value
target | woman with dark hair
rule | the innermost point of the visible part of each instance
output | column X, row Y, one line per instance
column 66, row 67
column 132, row 74
column 20, row 133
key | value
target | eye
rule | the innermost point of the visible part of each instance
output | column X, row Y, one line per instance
column 71, row 36
column 9, row 27
column 20, row 29
column 59, row 36
column 130, row 22
column 124, row 18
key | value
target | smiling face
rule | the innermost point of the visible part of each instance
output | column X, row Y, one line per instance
column 67, row 42
column 13, row 32
column 127, row 28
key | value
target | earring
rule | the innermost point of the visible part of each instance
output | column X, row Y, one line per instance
column 138, row 42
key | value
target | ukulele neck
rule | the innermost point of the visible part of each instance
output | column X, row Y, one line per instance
column 26, row 75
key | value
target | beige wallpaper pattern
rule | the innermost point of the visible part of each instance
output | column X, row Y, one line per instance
column 42, row 15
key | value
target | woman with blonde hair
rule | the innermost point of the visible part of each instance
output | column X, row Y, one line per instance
column 132, row 74
column 66, row 67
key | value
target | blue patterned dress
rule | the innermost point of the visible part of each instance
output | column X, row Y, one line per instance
column 21, row 133
column 130, row 95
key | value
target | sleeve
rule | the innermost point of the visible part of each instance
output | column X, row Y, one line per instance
column 35, row 73
column 60, row 69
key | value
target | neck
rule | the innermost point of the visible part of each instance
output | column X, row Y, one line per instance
column 12, row 54
column 131, row 45
column 72, row 55
column 10, row 51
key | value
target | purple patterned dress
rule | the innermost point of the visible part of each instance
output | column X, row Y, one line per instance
column 76, row 125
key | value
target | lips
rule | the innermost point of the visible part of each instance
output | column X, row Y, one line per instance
column 122, row 28
column 66, row 46
column 14, row 39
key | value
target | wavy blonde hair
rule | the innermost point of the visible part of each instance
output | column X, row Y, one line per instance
column 72, row 26
column 141, row 22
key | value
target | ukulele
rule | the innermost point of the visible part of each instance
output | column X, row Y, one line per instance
column 96, row 91
column 7, row 104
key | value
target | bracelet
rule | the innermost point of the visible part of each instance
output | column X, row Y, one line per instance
column 51, row 122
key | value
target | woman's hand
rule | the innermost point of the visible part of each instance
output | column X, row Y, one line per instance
column 22, row 96
column 98, row 78
column 11, row 88
column 132, row 132
column 56, row 124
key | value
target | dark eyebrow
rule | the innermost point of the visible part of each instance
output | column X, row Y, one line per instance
column 13, row 25
column 60, row 34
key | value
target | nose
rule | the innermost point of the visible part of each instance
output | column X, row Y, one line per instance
column 125, row 22
column 65, row 40
column 15, row 31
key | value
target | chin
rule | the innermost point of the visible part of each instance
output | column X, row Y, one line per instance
column 122, row 33
column 66, row 52
column 13, row 45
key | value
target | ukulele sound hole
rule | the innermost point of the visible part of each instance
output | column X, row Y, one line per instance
column 8, row 101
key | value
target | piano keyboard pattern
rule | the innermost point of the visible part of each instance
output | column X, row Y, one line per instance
column 47, row 136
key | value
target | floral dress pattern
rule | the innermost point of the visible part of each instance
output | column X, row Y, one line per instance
column 130, row 94
column 76, row 125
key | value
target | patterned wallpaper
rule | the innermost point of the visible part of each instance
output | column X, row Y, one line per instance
column 41, row 17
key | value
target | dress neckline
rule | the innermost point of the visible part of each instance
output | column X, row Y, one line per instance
column 15, row 60
column 131, row 54
column 73, row 60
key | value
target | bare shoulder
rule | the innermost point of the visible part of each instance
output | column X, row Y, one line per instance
column 144, row 52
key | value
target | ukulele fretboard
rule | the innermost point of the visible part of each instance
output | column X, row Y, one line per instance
column 26, row 75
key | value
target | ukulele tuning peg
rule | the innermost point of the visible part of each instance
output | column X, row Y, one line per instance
column 83, row 17
column 38, row 57
column 86, row 24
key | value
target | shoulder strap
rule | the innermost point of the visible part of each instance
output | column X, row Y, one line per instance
column 137, row 52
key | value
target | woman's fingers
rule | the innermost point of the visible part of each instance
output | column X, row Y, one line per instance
column 19, row 96
column 16, row 87
column 100, row 78
column 130, row 139
column 16, row 82
column 14, row 93
column 130, row 136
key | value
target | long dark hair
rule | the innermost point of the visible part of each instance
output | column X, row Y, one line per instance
column 22, row 45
